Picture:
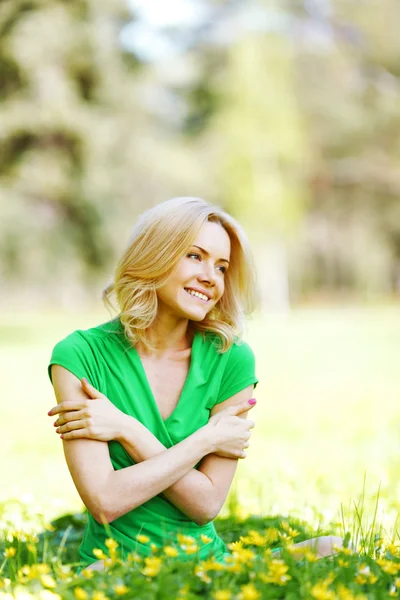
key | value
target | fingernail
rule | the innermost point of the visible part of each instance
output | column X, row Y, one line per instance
column 49, row 413
column 55, row 423
column 252, row 401
column 62, row 436
column 85, row 380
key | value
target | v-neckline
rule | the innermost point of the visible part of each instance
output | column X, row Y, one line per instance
column 185, row 385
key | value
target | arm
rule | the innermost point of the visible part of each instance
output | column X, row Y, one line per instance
column 200, row 493
column 109, row 494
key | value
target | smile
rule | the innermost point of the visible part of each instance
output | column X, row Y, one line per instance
column 197, row 295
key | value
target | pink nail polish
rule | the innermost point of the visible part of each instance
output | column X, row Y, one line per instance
column 252, row 401
column 54, row 424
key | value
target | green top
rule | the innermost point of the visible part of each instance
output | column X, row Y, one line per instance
column 112, row 365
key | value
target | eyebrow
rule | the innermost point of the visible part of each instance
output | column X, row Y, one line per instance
column 208, row 254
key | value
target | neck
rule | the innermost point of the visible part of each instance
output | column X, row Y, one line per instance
column 169, row 335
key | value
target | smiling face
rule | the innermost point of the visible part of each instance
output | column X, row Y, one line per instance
column 197, row 282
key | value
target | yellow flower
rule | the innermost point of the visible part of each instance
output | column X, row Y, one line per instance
column 99, row 596
column 10, row 552
column 192, row 549
column 388, row 566
column 154, row 547
column 254, row 538
column 205, row 539
column 199, row 571
column 343, row 563
column 271, row 535
column 187, row 540
column 80, row 594
column 290, row 532
column 87, row 573
column 365, row 575
column 243, row 555
column 111, row 544
column 393, row 549
column 320, row 592
column 211, row 565
column 152, row 566
column 345, row 594
column 47, row 581
column 134, row 557
column 277, row 573
column 235, row 545
column 222, row 595
column 249, row 592
column 142, row 539
column 121, row 589
column 170, row 551
column 98, row 553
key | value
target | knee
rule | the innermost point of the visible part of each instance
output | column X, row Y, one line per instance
column 329, row 544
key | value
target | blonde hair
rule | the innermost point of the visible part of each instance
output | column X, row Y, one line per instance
column 159, row 240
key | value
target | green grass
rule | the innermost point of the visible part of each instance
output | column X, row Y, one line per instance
column 327, row 416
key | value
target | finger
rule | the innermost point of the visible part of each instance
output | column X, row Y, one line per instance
column 250, row 423
column 74, row 415
column 72, row 426
column 246, row 444
column 245, row 406
column 90, row 390
column 75, row 434
column 68, row 405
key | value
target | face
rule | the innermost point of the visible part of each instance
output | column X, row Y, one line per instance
column 197, row 282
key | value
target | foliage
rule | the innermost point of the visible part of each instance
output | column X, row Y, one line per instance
column 34, row 569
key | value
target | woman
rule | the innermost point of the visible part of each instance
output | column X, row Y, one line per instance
column 152, row 406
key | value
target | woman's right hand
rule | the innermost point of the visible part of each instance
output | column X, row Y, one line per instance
column 229, row 432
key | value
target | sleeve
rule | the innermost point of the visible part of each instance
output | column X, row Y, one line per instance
column 75, row 354
column 239, row 372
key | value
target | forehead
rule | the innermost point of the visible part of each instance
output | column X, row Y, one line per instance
column 214, row 238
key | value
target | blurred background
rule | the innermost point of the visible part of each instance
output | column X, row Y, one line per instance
column 287, row 114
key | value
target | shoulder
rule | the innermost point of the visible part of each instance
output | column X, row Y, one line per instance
column 239, row 350
column 84, row 338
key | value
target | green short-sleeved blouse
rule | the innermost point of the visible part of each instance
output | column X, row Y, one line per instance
column 108, row 360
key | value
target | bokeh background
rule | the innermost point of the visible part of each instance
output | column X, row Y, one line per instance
column 287, row 114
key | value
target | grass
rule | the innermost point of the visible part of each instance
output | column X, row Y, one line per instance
column 324, row 451
column 327, row 418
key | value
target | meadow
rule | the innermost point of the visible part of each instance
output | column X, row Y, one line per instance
column 325, row 449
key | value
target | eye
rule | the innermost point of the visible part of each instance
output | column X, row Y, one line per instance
column 193, row 254
column 223, row 269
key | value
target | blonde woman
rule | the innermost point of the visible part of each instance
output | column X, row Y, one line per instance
column 152, row 405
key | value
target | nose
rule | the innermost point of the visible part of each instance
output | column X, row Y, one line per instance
column 207, row 274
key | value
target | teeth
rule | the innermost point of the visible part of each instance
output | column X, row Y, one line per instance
column 198, row 294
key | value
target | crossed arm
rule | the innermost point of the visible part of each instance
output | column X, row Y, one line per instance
column 200, row 494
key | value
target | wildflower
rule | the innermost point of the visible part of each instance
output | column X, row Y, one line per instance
column 99, row 596
column 47, row 581
column 222, row 595
column 98, row 553
column 397, row 582
column 200, row 572
column 80, row 594
column 10, row 552
column 210, row 564
column 277, row 573
column 254, row 538
column 365, row 575
column 388, row 566
column 343, row 563
column 345, row 594
column 183, row 592
column 320, row 592
column 152, row 566
column 249, row 592
column 205, row 539
column 170, row 551
column 121, row 589
column 290, row 532
column 142, row 539
column 154, row 548
column 186, row 540
column 243, row 555
column 111, row 544
column 134, row 557
column 192, row 549
column 271, row 535
column 235, row 545
column 393, row 549
column 87, row 573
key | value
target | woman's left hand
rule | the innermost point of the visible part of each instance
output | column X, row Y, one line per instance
column 95, row 417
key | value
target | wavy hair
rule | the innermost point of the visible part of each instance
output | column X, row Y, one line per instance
column 160, row 238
